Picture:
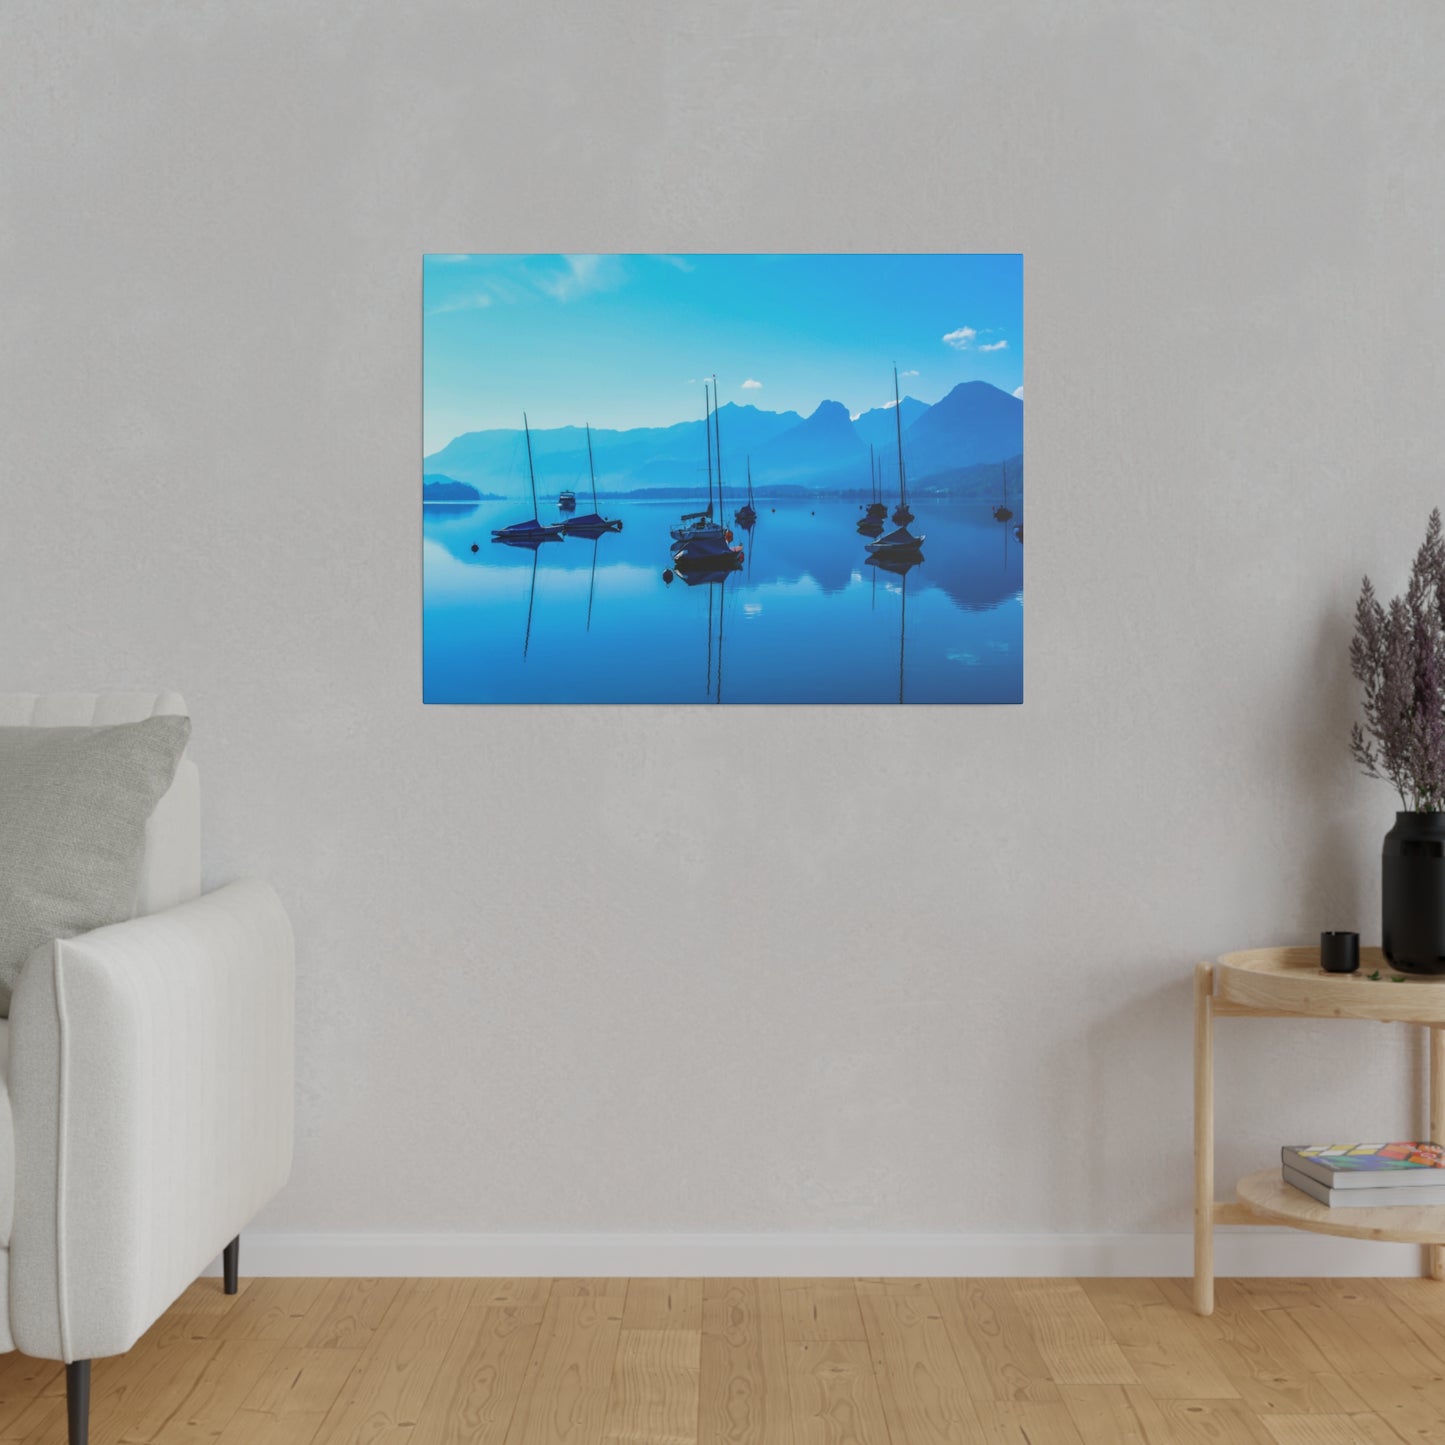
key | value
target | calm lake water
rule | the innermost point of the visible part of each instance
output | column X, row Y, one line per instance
column 806, row 619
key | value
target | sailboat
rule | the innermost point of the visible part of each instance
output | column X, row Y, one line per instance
column 1002, row 514
column 747, row 514
column 706, row 545
column 871, row 523
column 530, row 533
column 590, row 524
column 694, row 523
column 877, row 509
column 901, row 515
column 900, row 544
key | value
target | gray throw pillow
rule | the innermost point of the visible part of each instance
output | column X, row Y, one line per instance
column 74, row 803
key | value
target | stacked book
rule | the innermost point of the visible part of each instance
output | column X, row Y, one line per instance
column 1367, row 1176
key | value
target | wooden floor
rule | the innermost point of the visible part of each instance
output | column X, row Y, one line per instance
column 765, row 1362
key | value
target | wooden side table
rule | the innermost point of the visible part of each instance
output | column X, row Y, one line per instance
column 1267, row 983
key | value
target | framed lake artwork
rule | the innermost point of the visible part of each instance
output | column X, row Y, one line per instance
column 722, row 479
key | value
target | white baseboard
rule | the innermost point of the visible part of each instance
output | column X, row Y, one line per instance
column 1240, row 1252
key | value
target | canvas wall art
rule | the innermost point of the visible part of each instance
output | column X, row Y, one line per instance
column 723, row 479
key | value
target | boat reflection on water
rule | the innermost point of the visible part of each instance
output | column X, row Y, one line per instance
column 716, row 582
column 900, row 565
column 592, row 581
column 531, row 602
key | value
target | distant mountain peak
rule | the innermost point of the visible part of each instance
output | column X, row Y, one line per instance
column 830, row 411
column 977, row 387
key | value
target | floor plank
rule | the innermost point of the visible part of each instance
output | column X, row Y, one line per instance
column 1074, row 1342
column 384, row 1395
column 1116, row 1414
column 654, row 1388
column 1165, row 1347
column 291, row 1398
column 570, row 1375
column 479, row 1384
column 228, row 1377
column 925, row 1397
column 743, row 1370
column 821, row 1309
column 663, row 1304
column 834, row 1394
column 346, row 1315
column 1330, row 1430
column 996, row 1351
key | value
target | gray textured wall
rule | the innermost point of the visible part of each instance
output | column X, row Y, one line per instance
column 762, row 969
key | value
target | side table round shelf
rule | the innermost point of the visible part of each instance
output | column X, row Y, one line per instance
column 1289, row 983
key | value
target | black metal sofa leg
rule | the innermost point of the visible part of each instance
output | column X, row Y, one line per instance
column 231, row 1264
column 77, row 1401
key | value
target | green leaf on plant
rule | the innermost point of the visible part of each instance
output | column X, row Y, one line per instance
column 1376, row 974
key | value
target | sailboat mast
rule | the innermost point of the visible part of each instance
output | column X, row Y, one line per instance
column 532, row 475
column 717, row 439
column 898, row 422
column 707, row 411
column 591, row 470
column 872, row 476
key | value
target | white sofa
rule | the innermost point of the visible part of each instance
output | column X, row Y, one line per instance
column 147, row 1069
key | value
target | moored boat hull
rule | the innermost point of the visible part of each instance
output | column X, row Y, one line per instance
column 525, row 533
column 590, row 525
column 901, row 543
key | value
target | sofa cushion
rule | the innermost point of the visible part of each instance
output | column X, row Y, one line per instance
column 73, row 809
column 171, row 872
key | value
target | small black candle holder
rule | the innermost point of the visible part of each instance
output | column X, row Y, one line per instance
column 1340, row 952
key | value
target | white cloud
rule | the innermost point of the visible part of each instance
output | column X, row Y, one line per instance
column 906, row 374
column 450, row 258
column 473, row 301
column 1020, row 393
column 751, row 385
column 678, row 263
column 582, row 275
column 994, row 346
column 959, row 339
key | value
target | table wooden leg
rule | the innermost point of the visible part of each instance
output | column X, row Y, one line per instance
column 1204, row 1138
column 1435, row 1253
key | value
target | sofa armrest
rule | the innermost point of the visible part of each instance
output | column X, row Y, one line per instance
column 151, row 1081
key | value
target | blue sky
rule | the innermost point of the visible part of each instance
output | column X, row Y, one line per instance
column 624, row 341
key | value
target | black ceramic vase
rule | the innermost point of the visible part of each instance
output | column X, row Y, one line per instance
column 1414, row 893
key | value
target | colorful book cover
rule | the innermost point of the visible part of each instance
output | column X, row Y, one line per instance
column 1368, row 1158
